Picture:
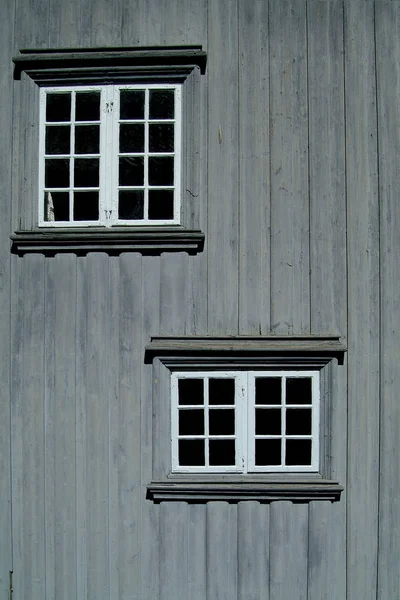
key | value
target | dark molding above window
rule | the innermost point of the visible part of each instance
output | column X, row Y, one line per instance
column 101, row 64
column 146, row 240
column 245, row 350
column 266, row 491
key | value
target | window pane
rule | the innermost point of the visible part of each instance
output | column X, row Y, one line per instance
column 131, row 170
column 161, row 104
column 131, row 204
column 87, row 139
column 86, row 172
column 268, row 390
column 191, row 453
column 58, row 107
column 268, row 421
column 222, row 453
column 191, row 391
column 57, row 173
column 87, row 106
column 191, row 422
column 58, row 139
column 161, row 204
column 268, row 452
column 86, row 206
column 161, row 170
column 298, row 421
column 221, row 391
column 161, row 137
column 221, row 422
column 298, row 452
column 132, row 104
column 131, row 137
column 298, row 390
column 56, row 206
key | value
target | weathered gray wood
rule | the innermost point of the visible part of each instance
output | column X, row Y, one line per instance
column 173, row 550
column 223, row 201
column 253, row 551
column 290, row 293
column 288, row 555
column 254, row 231
column 32, row 17
column 388, row 77
column 363, row 298
column 197, row 554
column 222, row 551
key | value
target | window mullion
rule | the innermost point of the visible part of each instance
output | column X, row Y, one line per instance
column 146, row 153
column 206, row 422
column 71, row 158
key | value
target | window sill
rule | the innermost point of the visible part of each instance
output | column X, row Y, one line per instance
column 300, row 490
column 146, row 240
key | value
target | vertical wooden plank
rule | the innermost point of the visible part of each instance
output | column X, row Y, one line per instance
column 173, row 550
column 387, row 17
column 67, row 28
column 222, row 551
column 290, row 293
column 363, row 298
column 223, row 180
column 32, row 17
column 150, row 533
column 327, row 522
column 254, row 232
column 288, row 550
column 60, row 421
column 197, row 555
column 129, row 443
column 253, row 551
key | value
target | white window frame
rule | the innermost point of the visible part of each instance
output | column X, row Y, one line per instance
column 245, row 421
column 109, row 153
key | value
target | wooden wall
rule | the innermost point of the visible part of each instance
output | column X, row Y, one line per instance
column 300, row 151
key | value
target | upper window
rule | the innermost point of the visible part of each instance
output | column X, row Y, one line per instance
column 110, row 155
column 245, row 421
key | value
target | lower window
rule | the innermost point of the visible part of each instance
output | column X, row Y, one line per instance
column 245, row 421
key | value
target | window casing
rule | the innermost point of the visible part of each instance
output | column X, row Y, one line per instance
column 245, row 421
column 110, row 155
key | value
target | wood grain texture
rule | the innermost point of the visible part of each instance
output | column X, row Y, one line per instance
column 223, row 200
column 174, row 550
column 197, row 552
column 253, row 551
column 290, row 285
column 254, row 164
column 388, row 77
column 222, row 551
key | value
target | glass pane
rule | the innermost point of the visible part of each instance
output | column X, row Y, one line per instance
column 131, row 170
column 87, row 139
column 268, row 421
column 132, row 104
column 131, row 204
column 268, row 390
column 298, row 421
column 298, row 452
column 268, row 452
column 221, row 422
column 191, row 422
column 161, row 137
column 161, row 204
column 58, row 107
column 86, row 172
column 131, row 137
column 161, row 104
column 56, row 206
column 298, row 390
column 161, row 170
column 191, row 391
column 191, row 453
column 57, row 173
column 222, row 452
column 221, row 391
column 58, row 139
column 87, row 106
column 86, row 206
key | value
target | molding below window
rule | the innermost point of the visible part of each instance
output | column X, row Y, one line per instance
column 146, row 240
column 206, row 491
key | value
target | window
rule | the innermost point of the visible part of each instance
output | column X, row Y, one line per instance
column 245, row 422
column 110, row 155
